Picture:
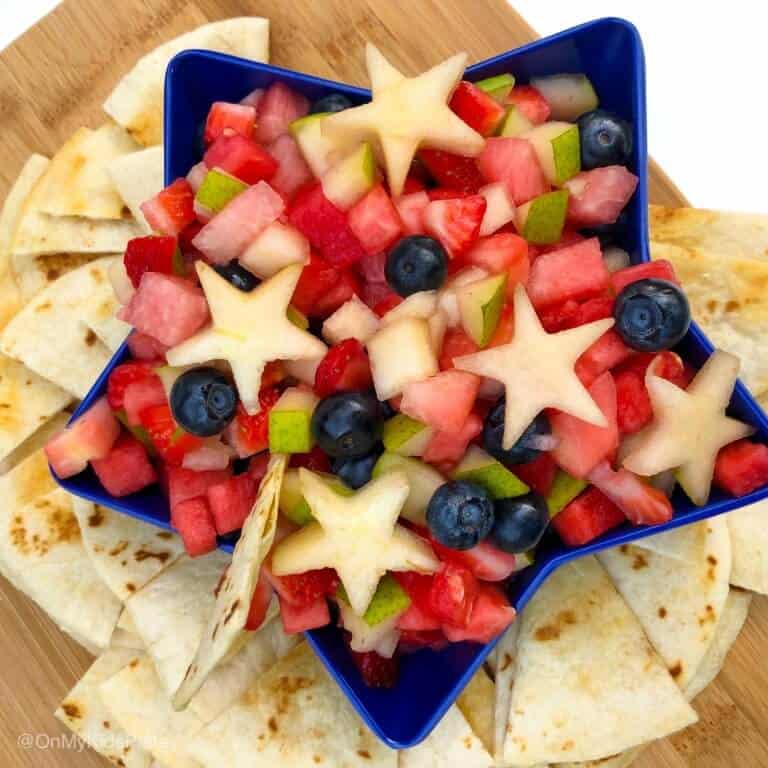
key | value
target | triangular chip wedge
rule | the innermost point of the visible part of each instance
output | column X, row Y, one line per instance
column 136, row 103
column 137, row 178
column 100, row 315
column 86, row 715
column 125, row 634
column 35, row 273
column 506, row 651
column 749, row 539
column 77, row 183
column 34, row 442
column 476, row 703
column 226, row 627
column 580, row 639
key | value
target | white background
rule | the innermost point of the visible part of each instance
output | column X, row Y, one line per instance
column 707, row 94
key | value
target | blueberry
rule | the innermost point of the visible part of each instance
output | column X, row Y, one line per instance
column 416, row 263
column 460, row 514
column 605, row 140
column 347, row 425
column 333, row 102
column 524, row 450
column 239, row 276
column 203, row 401
column 356, row 472
column 609, row 234
column 520, row 522
column 652, row 315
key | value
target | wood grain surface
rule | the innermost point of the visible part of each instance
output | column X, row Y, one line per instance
column 54, row 79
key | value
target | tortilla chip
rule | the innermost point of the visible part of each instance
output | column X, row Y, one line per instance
column 749, row 539
column 292, row 714
column 226, row 626
column 125, row 635
column 86, row 715
column 678, row 600
column 622, row 760
column 127, row 553
column 49, row 336
column 36, row 273
column 34, row 442
column 77, row 183
column 137, row 101
column 579, row 639
column 100, row 315
column 137, row 178
column 506, row 652
column 476, row 704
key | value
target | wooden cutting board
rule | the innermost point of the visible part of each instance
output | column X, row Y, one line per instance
column 54, row 79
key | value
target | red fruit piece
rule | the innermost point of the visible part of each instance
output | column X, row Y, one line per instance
column 588, row 516
column 242, row 158
column 453, row 171
column 598, row 196
column 250, row 434
column 456, row 343
column 123, row 376
column 501, row 253
column 151, row 254
column 633, row 405
column 741, row 467
column 389, row 302
column 491, row 615
column 257, row 468
column 513, row 161
column 411, row 209
column 476, row 108
column 443, row 401
column 146, row 349
column 171, row 442
column 140, row 395
column 172, row 209
column 605, row 354
column 277, row 109
column 530, row 102
column 126, row 468
column 229, row 119
column 297, row 619
column 485, row 561
column 230, row 502
column 262, row 597
column 344, row 368
column 186, row 484
column 323, row 288
column 453, row 594
column 316, row 460
column 374, row 221
column 539, row 474
column 418, row 586
column 505, row 329
column 416, row 619
column 194, row 522
column 661, row 270
column 292, row 169
column 303, row 589
column 376, row 671
column 455, row 223
column 414, row 640
column 448, row 446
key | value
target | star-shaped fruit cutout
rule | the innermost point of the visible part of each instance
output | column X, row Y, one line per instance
column 407, row 113
column 689, row 426
column 358, row 535
column 248, row 330
column 537, row 369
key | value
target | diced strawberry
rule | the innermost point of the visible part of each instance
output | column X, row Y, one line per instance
column 292, row 169
column 448, row 446
column 140, row 395
column 91, row 436
column 316, row 460
column 170, row 441
column 376, row 671
column 151, row 254
column 231, row 501
column 126, row 468
column 186, row 236
column 411, row 209
column 443, row 401
column 491, row 615
column 539, row 474
column 388, row 303
column 485, row 561
column 169, row 309
column 581, row 445
column 413, row 184
column 242, row 158
column 530, row 102
column 231, row 231
column 456, row 343
column 640, row 502
column 455, row 223
column 453, row 594
column 303, row 589
column 501, row 253
column 513, row 161
column 576, row 272
column 146, row 348
column 172, row 209
column 588, row 516
column 297, row 619
column 374, row 221
column 476, row 108
column 344, row 368
column 262, row 597
column 325, row 226
column 186, row 484
column 317, row 278
column 598, row 196
column 123, row 376
column 194, row 522
column 277, row 109
column 661, row 270
column 347, row 285
column 741, row 467
column 227, row 119
column 250, row 434
column 453, row 171
column 604, row 355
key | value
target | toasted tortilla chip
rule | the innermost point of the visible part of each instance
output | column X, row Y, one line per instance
column 126, row 552
column 86, row 715
column 35, row 273
column 49, row 335
column 34, row 442
column 77, row 183
column 100, row 315
column 476, row 704
column 137, row 101
column 125, row 634
column 290, row 715
column 749, row 538
column 506, row 652
column 227, row 623
column 579, row 639
column 678, row 600
column 137, row 178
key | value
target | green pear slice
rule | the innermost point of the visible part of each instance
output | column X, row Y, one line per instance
column 541, row 220
column 569, row 96
column 218, row 189
column 564, row 490
column 423, row 479
column 497, row 87
column 558, row 149
column 319, row 150
column 514, row 123
column 406, row 436
column 382, row 638
column 349, row 179
column 290, row 422
column 480, row 306
column 352, row 320
column 479, row 467
column 292, row 502
column 277, row 247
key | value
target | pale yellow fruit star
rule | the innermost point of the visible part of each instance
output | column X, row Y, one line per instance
column 537, row 369
column 358, row 535
column 407, row 113
column 689, row 426
column 248, row 330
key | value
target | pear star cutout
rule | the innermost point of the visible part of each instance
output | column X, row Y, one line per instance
column 689, row 426
column 407, row 113
column 358, row 535
column 248, row 330
column 537, row 370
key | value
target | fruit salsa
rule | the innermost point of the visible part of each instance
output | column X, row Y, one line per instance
column 422, row 302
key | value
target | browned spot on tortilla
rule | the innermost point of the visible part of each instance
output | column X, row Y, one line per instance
column 567, row 745
column 639, row 562
column 711, row 306
column 662, row 612
column 144, row 554
column 118, row 549
column 708, row 617
column 90, row 338
column 218, row 587
column 134, row 663
column 120, row 762
column 624, row 548
column 72, row 711
column 131, row 587
column 364, row 753
column 317, row 759
column 231, row 611
column 215, row 632
column 711, row 559
column 731, row 306
column 468, row 742
column 60, row 527
column 97, row 275
column 552, row 631
column 44, row 307
column 676, row 670
column 96, row 519
column 505, row 662
column 272, row 723
column 107, row 724
column 164, row 535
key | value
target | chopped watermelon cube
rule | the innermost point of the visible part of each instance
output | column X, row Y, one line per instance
column 453, row 171
column 169, row 309
column 487, row 562
column 186, row 484
column 476, row 108
column 257, row 468
column 576, row 272
column 196, row 176
column 412, row 641
column 374, row 221
column 151, row 254
column 385, row 304
column 194, row 522
column 241, row 157
column 604, row 355
column 91, row 436
column 212, row 454
column 303, row 589
column 323, row 288
column 225, row 119
column 588, row 516
column 277, row 109
column 416, row 619
column 292, row 169
column 345, row 368
column 303, row 618
column 121, row 377
column 411, row 209
column 539, row 474
column 146, row 348
column 491, row 615
column 171, row 442
column 455, row 222
column 453, row 593
column 231, row 501
column 171, row 209
column 502, row 252
column 741, row 467
column 530, row 102
column 571, row 314
column 250, row 434
column 661, row 270
column 513, row 161
column 633, row 405
column 418, row 586
column 126, row 468
column 140, row 395
column 448, row 447
column 316, row 460
column 598, row 196
column 443, row 401
column 456, row 343
column 262, row 597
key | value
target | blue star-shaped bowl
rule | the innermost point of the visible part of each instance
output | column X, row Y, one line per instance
column 609, row 52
